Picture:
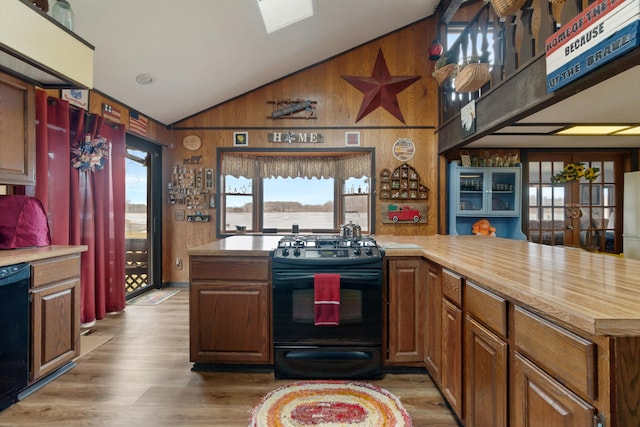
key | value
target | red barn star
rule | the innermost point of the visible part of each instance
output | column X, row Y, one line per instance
column 381, row 89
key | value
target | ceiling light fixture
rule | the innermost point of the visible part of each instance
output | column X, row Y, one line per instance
column 278, row 14
column 593, row 130
column 145, row 79
column 631, row 131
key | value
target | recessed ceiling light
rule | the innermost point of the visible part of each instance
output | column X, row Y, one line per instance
column 145, row 79
column 592, row 129
column 631, row 131
column 278, row 14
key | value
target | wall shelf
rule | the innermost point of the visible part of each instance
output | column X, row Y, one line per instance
column 403, row 183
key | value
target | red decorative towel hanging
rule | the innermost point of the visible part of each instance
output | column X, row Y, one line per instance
column 326, row 299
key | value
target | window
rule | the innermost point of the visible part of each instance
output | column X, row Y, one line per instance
column 238, row 202
column 307, row 202
column 355, row 201
column 315, row 190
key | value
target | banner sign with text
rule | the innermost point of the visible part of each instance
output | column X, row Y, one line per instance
column 601, row 33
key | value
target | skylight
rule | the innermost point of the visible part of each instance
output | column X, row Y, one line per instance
column 278, row 14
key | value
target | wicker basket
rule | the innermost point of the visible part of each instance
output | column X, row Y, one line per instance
column 444, row 73
column 472, row 77
column 507, row 7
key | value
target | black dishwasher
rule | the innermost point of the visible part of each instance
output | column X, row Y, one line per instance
column 14, row 331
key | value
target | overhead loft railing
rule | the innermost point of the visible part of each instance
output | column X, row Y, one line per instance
column 510, row 43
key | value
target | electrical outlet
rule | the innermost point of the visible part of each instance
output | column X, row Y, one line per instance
column 180, row 215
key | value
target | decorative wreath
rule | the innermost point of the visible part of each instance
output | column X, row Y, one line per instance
column 575, row 171
column 90, row 154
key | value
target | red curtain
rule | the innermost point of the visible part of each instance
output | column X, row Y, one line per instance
column 84, row 207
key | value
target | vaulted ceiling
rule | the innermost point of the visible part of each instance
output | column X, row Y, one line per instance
column 201, row 53
column 204, row 52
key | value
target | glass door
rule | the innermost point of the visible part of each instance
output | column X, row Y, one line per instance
column 471, row 192
column 575, row 212
column 503, row 192
column 142, row 216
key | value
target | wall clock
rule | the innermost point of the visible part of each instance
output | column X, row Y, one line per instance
column 192, row 142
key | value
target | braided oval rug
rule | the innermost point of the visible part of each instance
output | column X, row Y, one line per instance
column 329, row 403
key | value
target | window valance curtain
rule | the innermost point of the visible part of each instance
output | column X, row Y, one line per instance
column 261, row 166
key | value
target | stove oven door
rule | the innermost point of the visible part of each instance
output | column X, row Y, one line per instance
column 360, row 309
column 352, row 349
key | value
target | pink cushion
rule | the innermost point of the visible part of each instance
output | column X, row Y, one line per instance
column 23, row 223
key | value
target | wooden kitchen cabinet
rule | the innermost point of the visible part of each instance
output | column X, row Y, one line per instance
column 17, row 131
column 554, row 373
column 55, row 313
column 451, row 374
column 406, row 303
column 485, row 376
column 451, row 342
column 538, row 400
column 486, row 355
column 230, row 310
column 433, row 322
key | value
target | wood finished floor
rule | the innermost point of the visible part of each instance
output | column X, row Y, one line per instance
column 142, row 377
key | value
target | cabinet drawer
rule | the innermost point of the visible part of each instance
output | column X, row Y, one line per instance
column 486, row 307
column 452, row 286
column 54, row 270
column 229, row 268
column 567, row 357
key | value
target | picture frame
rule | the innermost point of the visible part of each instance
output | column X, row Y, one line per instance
column 77, row 97
column 240, row 139
column 352, row 139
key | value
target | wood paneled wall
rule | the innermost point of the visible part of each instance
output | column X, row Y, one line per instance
column 338, row 104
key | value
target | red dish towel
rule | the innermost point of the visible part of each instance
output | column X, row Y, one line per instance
column 326, row 299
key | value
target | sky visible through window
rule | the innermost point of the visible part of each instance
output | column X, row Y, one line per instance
column 136, row 179
column 306, row 191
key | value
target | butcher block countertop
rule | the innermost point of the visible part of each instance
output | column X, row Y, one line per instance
column 595, row 293
column 243, row 245
column 16, row 256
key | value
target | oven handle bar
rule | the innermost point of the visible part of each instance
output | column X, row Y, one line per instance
column 334, row 355
column 285, row 277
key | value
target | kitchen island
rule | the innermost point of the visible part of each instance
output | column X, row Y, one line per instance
column 514, row 332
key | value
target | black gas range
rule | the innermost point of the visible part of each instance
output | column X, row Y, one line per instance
column 316, row 250
column 352, row 346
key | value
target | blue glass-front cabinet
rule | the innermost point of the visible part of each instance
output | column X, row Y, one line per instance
column 493, row 193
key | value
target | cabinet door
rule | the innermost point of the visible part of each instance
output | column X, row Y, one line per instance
column 471, row 188
column 406, row 310
column 485, row 378
column 452, row 355
column 433, row 322
column 17, row 131
column 539, row 400
column 503, row 186
column 55, row 338
column 230, row 323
